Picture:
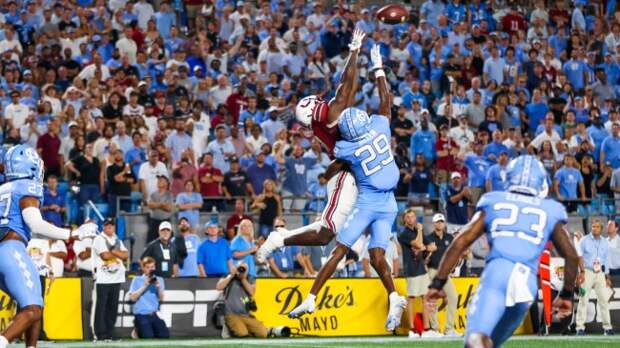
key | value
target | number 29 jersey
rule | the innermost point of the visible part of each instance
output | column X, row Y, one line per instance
column 10, row 195
column 373, row 166
column 519, row 226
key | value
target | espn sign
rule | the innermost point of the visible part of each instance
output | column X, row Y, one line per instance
column 178, row 304
column 187, row 308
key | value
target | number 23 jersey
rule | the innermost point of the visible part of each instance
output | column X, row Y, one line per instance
column 519, row 226
column 10, row 195
column 373, row 166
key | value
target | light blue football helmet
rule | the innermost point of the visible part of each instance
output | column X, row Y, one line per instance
column 23, row 162
column 353, row 123
column 525, row 174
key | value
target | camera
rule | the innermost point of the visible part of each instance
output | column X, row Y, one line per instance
column 152, row 277
column 279, row 331
column 241, row 269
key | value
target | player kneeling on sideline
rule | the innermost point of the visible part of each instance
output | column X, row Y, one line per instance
column 147, row 292
column 518, row 223
column 238, row 291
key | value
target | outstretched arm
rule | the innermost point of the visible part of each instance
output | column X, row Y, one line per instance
column 345, row 94
column 33, row 218
column 385, row 97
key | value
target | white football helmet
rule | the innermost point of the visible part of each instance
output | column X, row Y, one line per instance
column 304, row 109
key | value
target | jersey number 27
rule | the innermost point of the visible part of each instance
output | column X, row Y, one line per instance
column 380, row 145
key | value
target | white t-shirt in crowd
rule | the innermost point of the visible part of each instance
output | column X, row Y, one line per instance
column 80, row 246
column 110, row 271
column 149, row 174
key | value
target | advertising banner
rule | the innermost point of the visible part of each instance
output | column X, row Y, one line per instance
column 348, row 307
column 7, row 310
column 187, row 308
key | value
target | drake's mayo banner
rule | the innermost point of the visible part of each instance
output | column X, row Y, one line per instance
column 7, row 310
column 347, row 307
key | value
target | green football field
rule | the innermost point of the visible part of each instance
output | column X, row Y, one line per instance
column 357, row 342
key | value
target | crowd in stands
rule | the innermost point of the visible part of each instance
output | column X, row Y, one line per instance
column 187, row 106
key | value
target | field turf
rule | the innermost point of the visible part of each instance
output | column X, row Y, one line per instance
column 356, row 342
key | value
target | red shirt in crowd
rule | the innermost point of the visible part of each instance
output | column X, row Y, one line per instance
column 445, row 162
column 234, row 103
column 212, row 188
column 513, row 22
column 49, row 146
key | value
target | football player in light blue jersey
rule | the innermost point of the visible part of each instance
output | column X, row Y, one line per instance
column 518, row 223
column 365, row 146
column 20, row 199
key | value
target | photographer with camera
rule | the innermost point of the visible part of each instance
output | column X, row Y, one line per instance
column 238, row 290
column 147, row 292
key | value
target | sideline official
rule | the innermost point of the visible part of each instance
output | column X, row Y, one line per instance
column 594, row 274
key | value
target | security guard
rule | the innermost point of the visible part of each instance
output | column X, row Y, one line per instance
column 594, row 274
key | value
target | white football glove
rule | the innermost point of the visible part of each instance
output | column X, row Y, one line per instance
column 88, row 229
column 375, row 58
column 358, row 39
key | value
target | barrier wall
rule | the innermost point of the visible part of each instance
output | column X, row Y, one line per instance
column 345, row 307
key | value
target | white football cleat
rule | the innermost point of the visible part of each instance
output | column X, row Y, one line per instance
column 413, row 334
column 452, row 334
column 431, row 334
column 306, row 307
column 274, row 241
column 397, row 306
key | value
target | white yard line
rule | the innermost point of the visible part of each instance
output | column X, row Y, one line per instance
column 296, row 342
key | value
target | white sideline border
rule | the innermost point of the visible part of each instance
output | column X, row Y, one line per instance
column 292, row 342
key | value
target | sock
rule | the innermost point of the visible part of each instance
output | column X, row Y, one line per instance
column 315, row 226
column 393, row 295
column 311, row 298
column 3, row 342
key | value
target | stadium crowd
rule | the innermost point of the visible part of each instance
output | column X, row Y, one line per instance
column 188, row 106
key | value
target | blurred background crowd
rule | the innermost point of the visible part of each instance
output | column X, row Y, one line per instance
column 177, row 108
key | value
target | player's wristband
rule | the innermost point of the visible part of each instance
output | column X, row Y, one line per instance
column 566, row 294
column 437, row 283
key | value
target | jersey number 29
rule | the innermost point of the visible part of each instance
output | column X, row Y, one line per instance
column 505, row 227
column 5, row 199
column 379, row 146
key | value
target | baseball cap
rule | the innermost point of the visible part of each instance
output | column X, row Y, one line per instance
column 142, row 83
column 165, row 225
column 109, row 221
column 72, row 124
column 438, row 217
column 455, row 175
column 210, row 224
column 163, row 175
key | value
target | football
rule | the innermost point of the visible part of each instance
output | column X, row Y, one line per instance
column 393, row 14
